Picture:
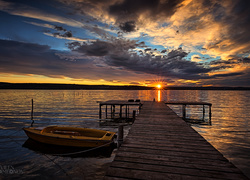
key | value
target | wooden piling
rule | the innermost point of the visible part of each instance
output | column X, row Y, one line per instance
column 184, row 111
column 106, row 111
column 210, row 114
column 134, row 113
column 100, row 111
column 203, row 112
column 32, row 112
column 120, row 111
column 120, row 135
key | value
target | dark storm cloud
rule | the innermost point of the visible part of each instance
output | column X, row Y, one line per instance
column 128, row 26
column 174, row 65
column 131, row 9
column 25, row 58
column 227, row 75
column 223, row 64
column 60, row 28
column 62, row 32
column 126, row 13
column 234, row 17
column 120, row 53
column 246, row 60
column 238, row 21
column 233, row 79
column 103, row 48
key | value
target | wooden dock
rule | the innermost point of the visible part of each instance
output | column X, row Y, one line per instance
column 161, row 145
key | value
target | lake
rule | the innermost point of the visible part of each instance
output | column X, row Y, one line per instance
column 229, row 132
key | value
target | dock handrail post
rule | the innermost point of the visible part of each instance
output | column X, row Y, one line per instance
column 126, row 112
column 111, row 112
column 134, row 112
column 210, row 114
column 120, row 135
column 106, row 111
column 203, row 117
column 100, row 111
column 31, row 117
column 184, row 111
column 120, row 111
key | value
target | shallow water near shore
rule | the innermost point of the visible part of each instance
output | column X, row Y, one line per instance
column 229, row 133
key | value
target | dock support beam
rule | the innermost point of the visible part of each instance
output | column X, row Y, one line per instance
column 106, row 111
column 184, row 111
column 120, row 111
column 203, row 116
column 120, row 135
column 126, row 111
column 210, row 115
column 134, row 112
column 100, row 111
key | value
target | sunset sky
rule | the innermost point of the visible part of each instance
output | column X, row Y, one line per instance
column 126, row 42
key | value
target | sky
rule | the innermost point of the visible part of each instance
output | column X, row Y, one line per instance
column 126, row 42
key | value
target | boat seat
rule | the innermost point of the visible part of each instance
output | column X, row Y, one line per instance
column 73, row 133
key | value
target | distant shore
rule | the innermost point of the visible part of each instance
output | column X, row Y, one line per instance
column 48, row 86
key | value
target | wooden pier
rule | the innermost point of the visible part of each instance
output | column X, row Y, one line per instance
column 161, row 145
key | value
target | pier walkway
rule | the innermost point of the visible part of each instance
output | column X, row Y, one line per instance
column 160, row 145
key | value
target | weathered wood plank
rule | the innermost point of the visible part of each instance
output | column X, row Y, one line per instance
column 192, row 165
column 145, row 175
column 218, row 157
column 169, row 148
column 169, row 158
column 176, row 170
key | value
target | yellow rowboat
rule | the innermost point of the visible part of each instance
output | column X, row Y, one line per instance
column 70, row 136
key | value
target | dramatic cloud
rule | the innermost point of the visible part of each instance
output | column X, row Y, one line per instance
column 27, row 59
column 128, row 26
column 201, row 42
column 119, row 53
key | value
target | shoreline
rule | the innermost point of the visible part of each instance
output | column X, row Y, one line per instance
column 48, row 86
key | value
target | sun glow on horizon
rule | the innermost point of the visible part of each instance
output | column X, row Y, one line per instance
column 158, row 86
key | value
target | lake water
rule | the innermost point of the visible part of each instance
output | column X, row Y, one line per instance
column 229, row 133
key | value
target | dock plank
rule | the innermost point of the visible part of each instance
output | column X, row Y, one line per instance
column 160, row 145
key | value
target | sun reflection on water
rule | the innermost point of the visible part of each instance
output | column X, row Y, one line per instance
column 159, row 95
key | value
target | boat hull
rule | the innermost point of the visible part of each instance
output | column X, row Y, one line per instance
column 69, row 140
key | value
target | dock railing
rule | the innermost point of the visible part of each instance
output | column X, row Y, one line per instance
column 184, row 106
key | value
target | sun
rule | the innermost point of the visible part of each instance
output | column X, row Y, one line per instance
column 158, row 86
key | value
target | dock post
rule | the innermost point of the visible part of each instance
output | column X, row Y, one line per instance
column 31, row 117
column 134, row 112
column 120, row 135
column 184, row 111
column 203, row 117
column 120, row 111
column 111, row 112
column 210, row 115
column 140, row 106
column 126, row 112
column 100, row 111
column 106, row 111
